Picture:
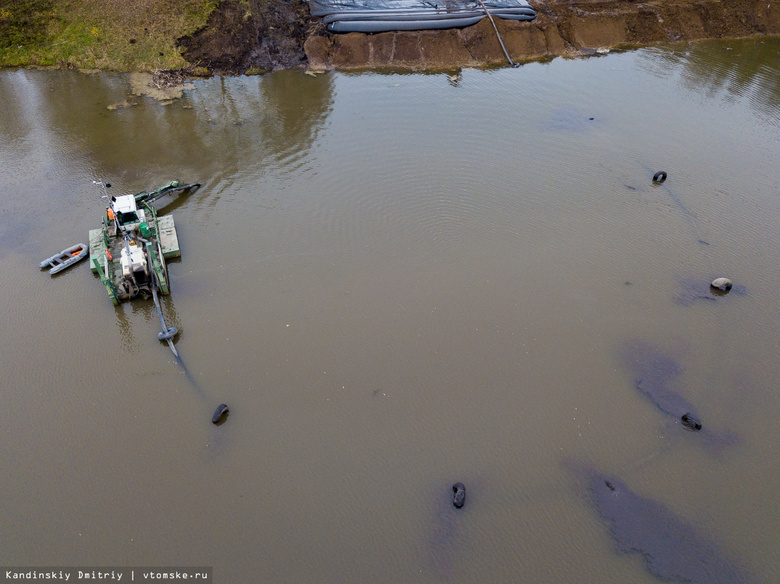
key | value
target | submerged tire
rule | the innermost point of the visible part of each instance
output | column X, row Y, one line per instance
column 458, row 495
column 690, row 422
column 659, row 177
column 721, row 284
column 220, row 414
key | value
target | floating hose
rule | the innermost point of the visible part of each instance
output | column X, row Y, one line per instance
column 167, row 334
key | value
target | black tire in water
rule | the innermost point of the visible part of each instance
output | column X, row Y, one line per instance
column 458, row 495
column 690, row 422
column 220, row 414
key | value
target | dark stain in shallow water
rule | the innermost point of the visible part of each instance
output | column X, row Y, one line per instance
column 217, row 445
column 570, row 119
column 442, row 540
column 672, row 549
column 445, row 538
column 676, row 200
column 699, row 289
column 657, row 377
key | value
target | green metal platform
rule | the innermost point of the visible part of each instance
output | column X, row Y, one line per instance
column 169, row 241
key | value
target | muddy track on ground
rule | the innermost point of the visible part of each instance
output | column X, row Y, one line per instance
column 254, row 36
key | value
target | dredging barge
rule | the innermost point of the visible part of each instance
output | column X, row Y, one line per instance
column 129, row 251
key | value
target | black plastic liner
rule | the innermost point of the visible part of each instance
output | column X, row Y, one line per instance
column 385, row 15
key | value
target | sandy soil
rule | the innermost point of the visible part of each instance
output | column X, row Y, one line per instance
column 275, row 34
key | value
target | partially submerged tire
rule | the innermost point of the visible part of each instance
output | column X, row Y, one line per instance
column 220, row 414
column 722, row 285
column 458, row 495
column 659, row 177
column 689, row 422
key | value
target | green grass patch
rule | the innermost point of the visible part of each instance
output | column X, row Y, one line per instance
column 121, row 35
column 24, row 22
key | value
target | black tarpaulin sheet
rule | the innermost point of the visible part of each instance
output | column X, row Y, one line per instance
column 386, row 15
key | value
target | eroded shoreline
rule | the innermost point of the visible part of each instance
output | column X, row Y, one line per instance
column 285, row 37
column 560, row 29
column 237, row 37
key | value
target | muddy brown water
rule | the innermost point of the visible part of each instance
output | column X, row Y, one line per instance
column 396, row 282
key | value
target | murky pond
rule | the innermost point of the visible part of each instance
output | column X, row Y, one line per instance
column 399, row 282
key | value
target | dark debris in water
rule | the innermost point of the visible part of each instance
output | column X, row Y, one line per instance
column 673, row 549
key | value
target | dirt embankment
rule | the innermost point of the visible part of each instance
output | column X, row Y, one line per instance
column 252, row 36
column 272, row 34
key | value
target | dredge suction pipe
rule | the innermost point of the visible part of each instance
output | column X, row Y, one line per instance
column 500, row 41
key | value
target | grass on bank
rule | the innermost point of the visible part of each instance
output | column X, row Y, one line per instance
column 120, row 35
